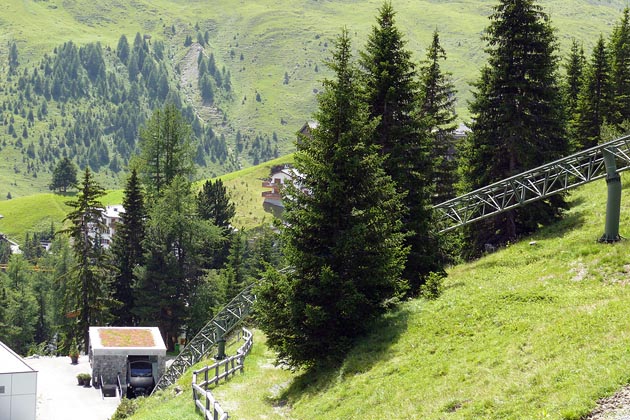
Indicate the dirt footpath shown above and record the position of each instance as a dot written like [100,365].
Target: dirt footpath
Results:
[60,398]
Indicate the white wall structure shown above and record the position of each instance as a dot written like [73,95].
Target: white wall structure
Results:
[109,360]
[18,387]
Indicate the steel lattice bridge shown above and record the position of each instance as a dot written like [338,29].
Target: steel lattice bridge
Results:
[211,335]
[536,184]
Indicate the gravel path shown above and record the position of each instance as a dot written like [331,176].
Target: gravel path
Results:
[60,398]
[616,407]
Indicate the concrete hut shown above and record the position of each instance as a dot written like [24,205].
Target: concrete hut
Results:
[113,349]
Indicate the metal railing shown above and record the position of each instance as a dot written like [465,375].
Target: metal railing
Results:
[532,185]
[119,387]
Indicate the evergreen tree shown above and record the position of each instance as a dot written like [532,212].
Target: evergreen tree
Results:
[392,94]
[166,150]
[127,249]
[13,58]
[64,175]
[214,203]
[517,116]
[438,108]
[173,242]
[595,99]
[87,290]
[620,69]
[342,234]
[573,82]
[122,50]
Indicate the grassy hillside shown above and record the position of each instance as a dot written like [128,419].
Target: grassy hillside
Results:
[258,43]
[529,332]
[35,213]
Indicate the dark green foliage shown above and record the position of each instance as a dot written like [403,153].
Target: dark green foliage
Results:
[64,175]
[206,89]
[122,50]
[620,69]
[438,109]
[174,240]
[20,307]
[87,289]
[571,89]
[517,117]
[392,93]
[125,409]
[166,150]
[214,204]
[13,58]
[5,250]
[127,249]
[595,99]
[342,234]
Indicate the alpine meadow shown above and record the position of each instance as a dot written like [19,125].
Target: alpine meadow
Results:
[341,210]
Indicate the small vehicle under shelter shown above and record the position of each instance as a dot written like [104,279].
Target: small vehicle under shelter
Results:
[126,360]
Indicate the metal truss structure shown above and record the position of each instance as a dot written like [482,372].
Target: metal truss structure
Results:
[209,336]
[535,184]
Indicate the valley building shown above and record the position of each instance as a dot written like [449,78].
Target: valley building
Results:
[18,387]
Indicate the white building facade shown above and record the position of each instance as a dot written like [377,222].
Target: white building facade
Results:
[18,387]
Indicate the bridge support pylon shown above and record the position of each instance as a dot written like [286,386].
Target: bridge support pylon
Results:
[613,203]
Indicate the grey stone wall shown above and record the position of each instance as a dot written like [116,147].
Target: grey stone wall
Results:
[109,367]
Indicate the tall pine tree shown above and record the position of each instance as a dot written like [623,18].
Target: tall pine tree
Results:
[438,108]
[127,249]
[87,291]
[214,204]
[517,116]
[392,93]
[574,67]
[595,99]
[620,69]
[342,235]
[166,150]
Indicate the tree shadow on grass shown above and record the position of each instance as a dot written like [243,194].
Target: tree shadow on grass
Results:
[373,348]
[569,222]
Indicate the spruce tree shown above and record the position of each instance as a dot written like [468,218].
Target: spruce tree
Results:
[620,69]
[517,116]
[64,175]
[214,204]
[166,151]
[392,93]
[595,100]
[438,108]
[342,235]
[87,289]
[127,249]
[573,82]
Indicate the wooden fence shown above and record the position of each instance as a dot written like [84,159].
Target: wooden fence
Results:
[222,370]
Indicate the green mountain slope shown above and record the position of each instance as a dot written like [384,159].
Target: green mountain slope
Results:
[35,213]
[532,331]
[273,51]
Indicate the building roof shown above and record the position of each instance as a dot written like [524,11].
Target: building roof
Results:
[10,362]
[114,211]
[127,340]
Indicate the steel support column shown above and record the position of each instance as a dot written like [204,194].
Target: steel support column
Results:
[613,203]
